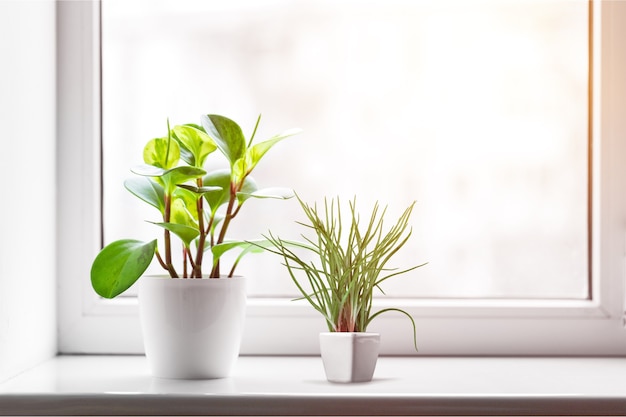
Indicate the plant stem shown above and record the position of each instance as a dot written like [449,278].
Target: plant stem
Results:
[185,251]
[160,259]
[346,321]
[166,237]
[197,269]
[189,258]
[232,270]
[208,229]
[215,272]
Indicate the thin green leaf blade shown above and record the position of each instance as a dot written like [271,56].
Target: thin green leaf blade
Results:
[119,265]
[399,310]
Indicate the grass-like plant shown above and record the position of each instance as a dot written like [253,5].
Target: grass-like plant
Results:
[194,205]
[350,262]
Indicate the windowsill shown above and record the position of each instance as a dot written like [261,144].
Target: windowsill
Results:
[121,385]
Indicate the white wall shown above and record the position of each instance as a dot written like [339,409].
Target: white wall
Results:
[27,184]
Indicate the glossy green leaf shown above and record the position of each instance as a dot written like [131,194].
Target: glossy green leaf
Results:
[251,246]
[249,188]
[220,180]
[240,169]
[161,152]
[199,190]
[196,141]
[174,176]
[256,152]
[279,193]
[195,126]
[184,208]
[186,233]
[227,135]
[146,170]
[147,190]
[119,265]
[179,175]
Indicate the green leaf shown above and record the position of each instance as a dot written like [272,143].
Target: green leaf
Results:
[240,168]
[256,152]
[199,190]
[119,265]
[196,141]
[161,152]
[351,255]
[182,174]
[222,248]
[147,190]
[226,134]
[148,170]
[195,126]
[175,176]
[186,233]
[249,187]
[220,180]
[172,177]
[373,316]
[184,208]
[252,246]
[279,193]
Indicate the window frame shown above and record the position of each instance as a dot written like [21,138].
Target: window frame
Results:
[88,324]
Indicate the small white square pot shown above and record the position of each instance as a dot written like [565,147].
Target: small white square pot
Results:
[349,357]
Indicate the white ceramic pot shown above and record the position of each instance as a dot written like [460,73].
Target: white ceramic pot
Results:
[349,357]
[192,327]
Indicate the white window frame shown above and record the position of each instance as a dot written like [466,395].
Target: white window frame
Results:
[88,324]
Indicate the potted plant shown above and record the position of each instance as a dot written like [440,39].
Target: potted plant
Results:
[191,317]
[349,264]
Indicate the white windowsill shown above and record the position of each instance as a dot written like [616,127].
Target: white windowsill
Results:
[121,385]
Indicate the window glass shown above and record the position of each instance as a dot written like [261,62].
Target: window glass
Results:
[478,110]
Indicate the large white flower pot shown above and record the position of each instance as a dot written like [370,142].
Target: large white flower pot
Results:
[192,327]
[349,357]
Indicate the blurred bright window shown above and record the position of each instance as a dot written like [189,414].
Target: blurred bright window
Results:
[476,109]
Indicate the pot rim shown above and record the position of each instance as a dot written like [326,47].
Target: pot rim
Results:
[204,278]
[349,334]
